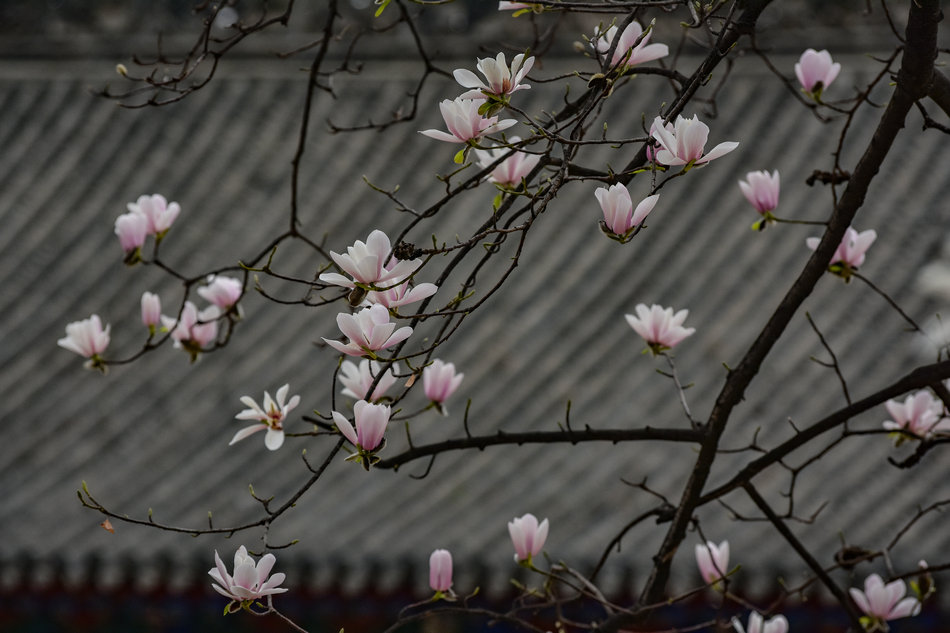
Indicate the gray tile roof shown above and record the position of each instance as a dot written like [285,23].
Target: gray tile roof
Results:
[154,434]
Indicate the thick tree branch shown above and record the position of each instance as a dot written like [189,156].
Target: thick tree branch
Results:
[805,555]
[917,379]
[544,437]
[914,78]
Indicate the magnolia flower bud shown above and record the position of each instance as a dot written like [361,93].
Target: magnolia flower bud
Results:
[713,561]
[440,570]
[131,228]
[151,311]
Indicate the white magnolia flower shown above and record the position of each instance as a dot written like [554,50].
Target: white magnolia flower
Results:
[757,624]
[270,417]
[659,326]
[501,81]
[366,264]
[882,602]
[222,291]
[369,330]
[626,52]
[357,379]
[251,581]
[683,143]
[465,124]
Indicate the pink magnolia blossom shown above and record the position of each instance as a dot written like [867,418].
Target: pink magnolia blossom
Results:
[158,213]
[193,330]
[402,294]
[87,338]
[222,291]
[501,81]
[366,264]
[440,381]
[627,52]
[850,253]
[815,71]
[528,536]
[757,624]
[131,229]
[683,143]
[505,5]
[358,379]
[713,561]
[270,417]
[659,327]
[882,602]
[510,172]
[465,124]
[761,190]
[369,330]
[620,218]
[371,421]
[251,581]
[440,571]
[920,413]
[151,310]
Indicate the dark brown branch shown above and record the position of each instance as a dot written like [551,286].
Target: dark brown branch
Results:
[805,555]
[917,379]
[914,78]
[542,437]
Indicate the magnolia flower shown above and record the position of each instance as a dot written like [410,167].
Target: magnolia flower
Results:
[271,417]
[815,71]
[440,381]
[757,624]
[510,172]
[371,421]
[920,414]
[713,561]
[366,264]
[501,81]
[440,571]
[250,581]
[882,602]
[193,330]
[850,252]
[151,310]
[158,213]
[626,53]
[131,229]
[222,291]
[528,536]
[358,379]
[620,218]
[87,338]
[683,143]
[659,327]
[369,330]
[465,124]
[401,295]
[761,191]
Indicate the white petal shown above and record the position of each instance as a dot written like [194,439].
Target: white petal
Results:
[274,439]
[246,431]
